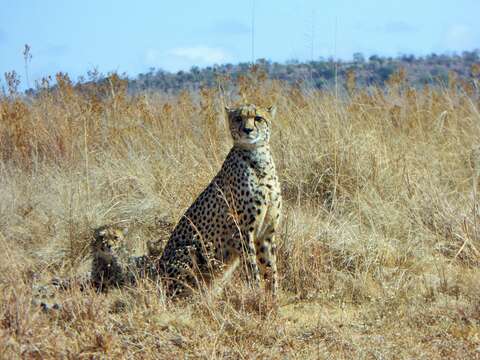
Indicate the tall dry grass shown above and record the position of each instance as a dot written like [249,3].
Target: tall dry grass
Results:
[378,251]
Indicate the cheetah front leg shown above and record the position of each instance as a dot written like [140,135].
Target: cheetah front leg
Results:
[251,258]
[266,253]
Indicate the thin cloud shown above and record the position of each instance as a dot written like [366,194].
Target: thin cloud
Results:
[399,27]
[182,58]
[458,37]
[230,27]
[200,54]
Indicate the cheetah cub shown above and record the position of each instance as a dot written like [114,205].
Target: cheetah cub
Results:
[235,217]
[111,265]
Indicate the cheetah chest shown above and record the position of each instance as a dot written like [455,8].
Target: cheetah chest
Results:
[257,198]
[268,214]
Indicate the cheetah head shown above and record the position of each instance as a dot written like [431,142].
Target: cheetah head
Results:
[250,125]
[107,241]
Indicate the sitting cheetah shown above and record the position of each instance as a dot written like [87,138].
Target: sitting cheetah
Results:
[235,217]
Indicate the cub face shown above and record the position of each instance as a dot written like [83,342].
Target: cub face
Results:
[107,241]
[250,125]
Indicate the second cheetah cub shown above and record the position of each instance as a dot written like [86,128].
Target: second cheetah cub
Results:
[109,266]
[236,216]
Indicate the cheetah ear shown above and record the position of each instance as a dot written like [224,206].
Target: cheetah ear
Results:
[272,110]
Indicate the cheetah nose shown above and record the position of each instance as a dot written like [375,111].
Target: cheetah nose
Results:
[247,130]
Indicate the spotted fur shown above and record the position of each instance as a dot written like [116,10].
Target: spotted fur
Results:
[235,217]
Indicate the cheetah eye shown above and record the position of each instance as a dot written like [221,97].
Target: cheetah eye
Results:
[258,118]
[238,118]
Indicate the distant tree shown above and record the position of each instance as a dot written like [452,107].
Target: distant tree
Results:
[358,58]
[408,58]
[292,62]
[263,62]
[471,56]
[431,59]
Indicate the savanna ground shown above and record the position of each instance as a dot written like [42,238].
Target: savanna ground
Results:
[379,250]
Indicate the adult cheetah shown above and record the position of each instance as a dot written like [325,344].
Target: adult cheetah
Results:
[235,217]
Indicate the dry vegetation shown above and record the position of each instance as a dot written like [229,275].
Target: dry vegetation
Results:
[379,249]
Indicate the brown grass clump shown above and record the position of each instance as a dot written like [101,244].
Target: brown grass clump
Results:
[379,250]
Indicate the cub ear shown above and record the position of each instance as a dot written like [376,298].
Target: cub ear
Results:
[124,230]
[228,110]
[272,110]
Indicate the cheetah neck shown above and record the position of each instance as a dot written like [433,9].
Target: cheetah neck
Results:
[103,260]
[258,157]
[114,264]
[108,260]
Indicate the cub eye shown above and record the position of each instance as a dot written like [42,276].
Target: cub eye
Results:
[238,118]
[258,118]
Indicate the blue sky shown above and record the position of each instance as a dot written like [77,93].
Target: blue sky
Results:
[132,36]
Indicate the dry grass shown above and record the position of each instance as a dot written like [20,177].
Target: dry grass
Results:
[379,248]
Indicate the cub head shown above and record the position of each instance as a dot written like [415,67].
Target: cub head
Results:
[107,241]
[250,125]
